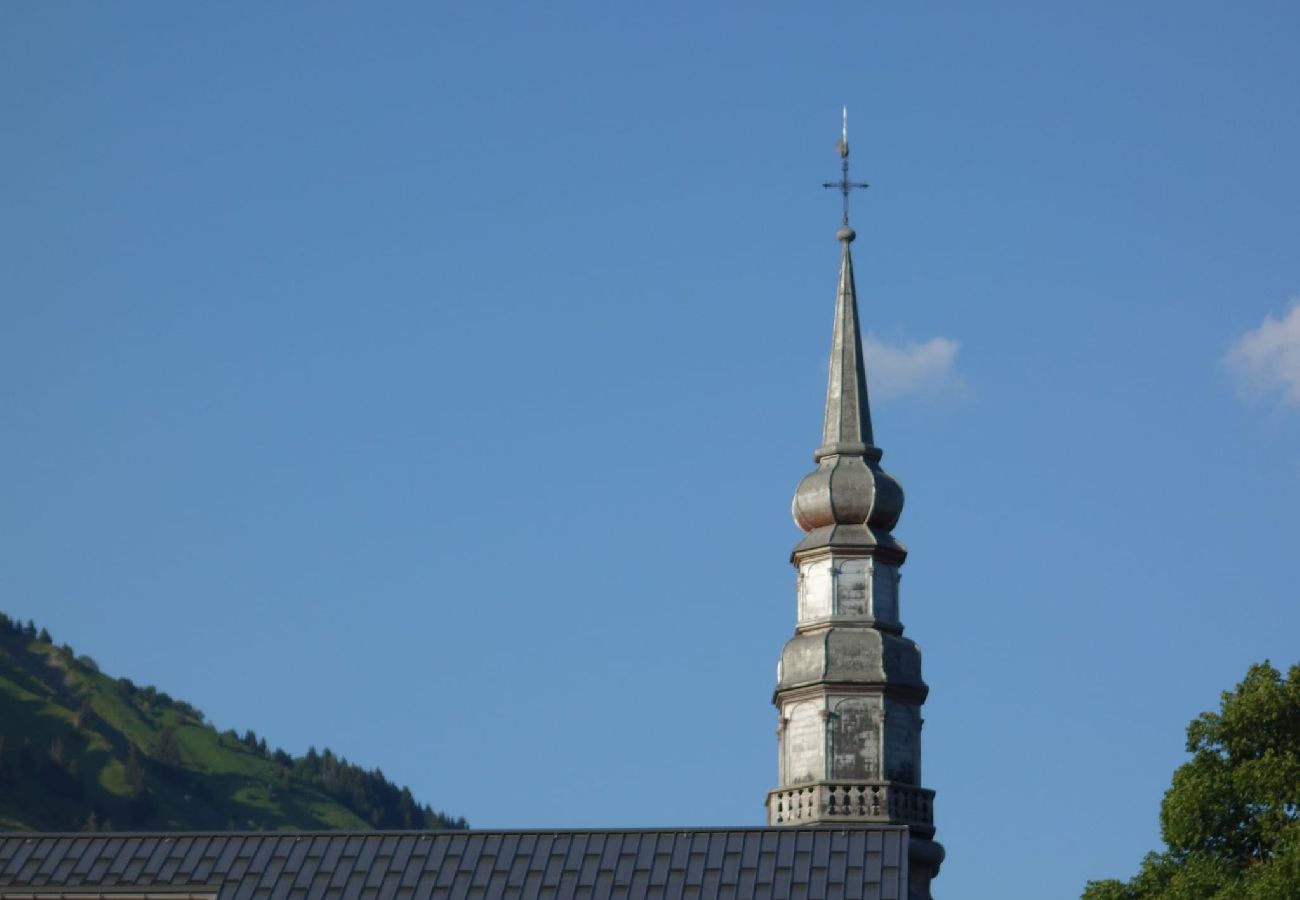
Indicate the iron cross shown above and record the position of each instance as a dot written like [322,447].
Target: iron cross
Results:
[844,184]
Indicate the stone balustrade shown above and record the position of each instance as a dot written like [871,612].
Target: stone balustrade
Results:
[827,802]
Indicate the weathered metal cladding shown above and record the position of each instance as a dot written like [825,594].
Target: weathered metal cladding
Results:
[850,655]
[848,489]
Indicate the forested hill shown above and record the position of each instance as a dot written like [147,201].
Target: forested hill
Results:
[80,750]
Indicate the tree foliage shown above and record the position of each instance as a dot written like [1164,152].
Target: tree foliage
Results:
[1231,818]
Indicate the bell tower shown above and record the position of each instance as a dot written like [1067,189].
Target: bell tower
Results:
[849,689]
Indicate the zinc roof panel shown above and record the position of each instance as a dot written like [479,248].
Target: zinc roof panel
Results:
[482,873]
[873,864]
[87,858]
[554,869]
[890,889]
[802,866]
[214,845]
[176,854]
[650,846]
[194,858]
[473,850]
[253,851]
[577,852]
[891,847]
[274,870]
[424,888]
[413,871]
[294,862]
[355,885]
[319,885]
[366,855]
[709,886]
[750,849]
[447,872]
[747,881]
[352,846]
[130,873]
[497,886]
[766,866]
[121,856]
[853,882]
[401,854]
[695,868]
[98,873]
[785,851]
[341,871]
[138,861]
[731,868]
[781,881]
[531,845]
[375,874]
[229,851]
[320,845]
[240,890]
[22,852]
[822,848]
[520,866]
[599,848]
[51,852]
[623,868]
[437,853]
[280,888]
[659,869]
[679,852]
[716,850]
[837,863]
[388,886]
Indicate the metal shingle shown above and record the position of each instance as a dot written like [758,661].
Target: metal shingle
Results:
[765,864]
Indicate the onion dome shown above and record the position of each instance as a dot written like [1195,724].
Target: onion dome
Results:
[848,489]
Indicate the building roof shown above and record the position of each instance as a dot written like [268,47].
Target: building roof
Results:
[776,863]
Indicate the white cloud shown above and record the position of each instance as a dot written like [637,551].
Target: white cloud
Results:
[929,368]
[1267,358]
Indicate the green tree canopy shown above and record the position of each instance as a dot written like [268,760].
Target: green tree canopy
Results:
[1231,818]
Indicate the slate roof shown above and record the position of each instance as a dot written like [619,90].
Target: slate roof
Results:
[730,864]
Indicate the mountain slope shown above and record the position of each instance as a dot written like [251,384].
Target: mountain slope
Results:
[81,750]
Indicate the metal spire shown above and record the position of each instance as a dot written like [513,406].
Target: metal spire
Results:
[844,184]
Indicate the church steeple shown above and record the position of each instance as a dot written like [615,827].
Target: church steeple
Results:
[848,414]
[849,688]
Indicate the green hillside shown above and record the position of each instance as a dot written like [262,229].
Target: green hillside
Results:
[80,750]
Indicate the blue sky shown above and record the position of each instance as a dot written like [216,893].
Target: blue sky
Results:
[430,382]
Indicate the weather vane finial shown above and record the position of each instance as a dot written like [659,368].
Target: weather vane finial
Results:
[844,184]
